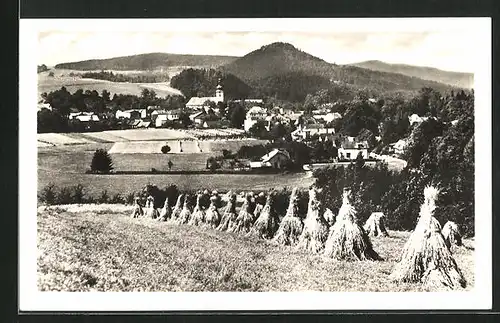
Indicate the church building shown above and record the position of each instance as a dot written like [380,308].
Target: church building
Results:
[199,103]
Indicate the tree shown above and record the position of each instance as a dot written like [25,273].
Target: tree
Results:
[101,162]
[185,120]
[238,115]
[165,149]
[258,130]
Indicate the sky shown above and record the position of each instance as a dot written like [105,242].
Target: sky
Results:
[447,49]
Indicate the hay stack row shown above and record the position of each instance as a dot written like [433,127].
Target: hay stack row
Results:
[426,257]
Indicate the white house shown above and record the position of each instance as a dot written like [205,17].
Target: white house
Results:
[197,103]
[131,114]
[277,158]
[163,116]
[253,115]
[308,130]
[328,117]
[399,146]
[350,148]
[415,118]
[84,116]
[254,101]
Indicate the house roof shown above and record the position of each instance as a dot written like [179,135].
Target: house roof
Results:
[197,114]
[256,110]
[267,157]
[200,101]
[347,144]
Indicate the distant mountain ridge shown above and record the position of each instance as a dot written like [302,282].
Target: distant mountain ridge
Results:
[282,59]
[459,79]
[148,62]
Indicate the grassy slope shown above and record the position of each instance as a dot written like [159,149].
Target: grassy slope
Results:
[98,249]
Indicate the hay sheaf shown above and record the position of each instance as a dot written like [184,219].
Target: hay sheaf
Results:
[151,211]
[426,258]
[329,216]
[267,223]
[451,235]
[315,230]
[291,225]
[137,211]
[198,215]
[375,225]
[212,216]
[229,215]
[243,223]
[347,239]
[177,208]
[165,212]
[185,214]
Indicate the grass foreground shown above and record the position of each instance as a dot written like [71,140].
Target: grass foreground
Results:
[101,248]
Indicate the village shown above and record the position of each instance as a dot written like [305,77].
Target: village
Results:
[202,119]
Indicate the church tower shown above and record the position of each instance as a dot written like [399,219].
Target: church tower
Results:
[219,93]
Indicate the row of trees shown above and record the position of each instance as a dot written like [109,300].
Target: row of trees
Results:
[131,78]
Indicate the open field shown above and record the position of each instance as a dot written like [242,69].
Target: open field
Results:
[95,248]
[66,166]
[61,78]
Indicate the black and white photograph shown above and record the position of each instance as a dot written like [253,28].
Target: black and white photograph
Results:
[323,159]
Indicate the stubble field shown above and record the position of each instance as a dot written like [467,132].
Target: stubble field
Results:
[95,248]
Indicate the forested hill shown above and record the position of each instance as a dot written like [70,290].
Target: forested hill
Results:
[459,79]
[147,62]
[282,58]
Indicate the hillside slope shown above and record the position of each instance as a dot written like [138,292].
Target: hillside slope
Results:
[282,58]
[148,62]
[465,80]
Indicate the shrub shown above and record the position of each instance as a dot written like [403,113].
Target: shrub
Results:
[48,194]
[129,198]
[104,197]
[101,162]
[165,149]
[78,194]
[117,199]
[64,196]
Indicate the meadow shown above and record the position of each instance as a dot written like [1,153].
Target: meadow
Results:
[73,83]
[66,165]
[95,248]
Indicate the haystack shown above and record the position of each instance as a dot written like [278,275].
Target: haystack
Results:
[347,239]
[245,219]
[177,208]
[291,225]
[426,258]
[137,211]
[267,223]
[315,230]
[212,216]
[151,211]
[329,216]
[260,200]
[198,216]
[451,234]
[375,225]
[165,211]
[185,214]
[229,215]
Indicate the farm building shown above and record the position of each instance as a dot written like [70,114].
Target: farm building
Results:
[253,115]
[131,114]
[350,149]
[399,146]
[198,103]
[84,116]
[254,101]
[415,119]
[277,158]
[327,117]
[304,132]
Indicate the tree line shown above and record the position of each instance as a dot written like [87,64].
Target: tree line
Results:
[131,78]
